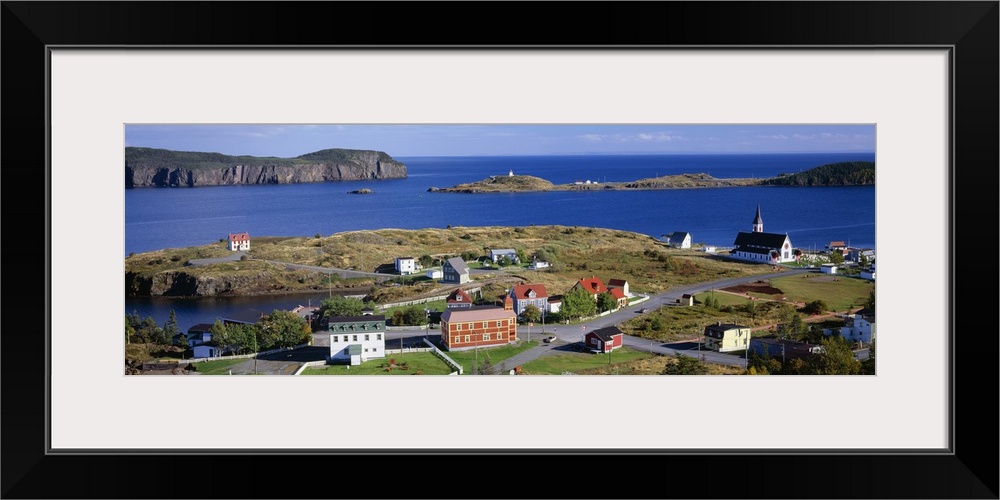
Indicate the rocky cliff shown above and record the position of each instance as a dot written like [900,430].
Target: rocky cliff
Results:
[147,167]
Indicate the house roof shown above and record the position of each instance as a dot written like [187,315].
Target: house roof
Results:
[678,236]
[837,244]
[762,251]
[459,295]
[239,236]
[793,349]
[724,327]
[521,291]
[686,296]
[616,282]
[502,251]
[766,240]
[606,333]
[476,314]
[356,319]
[458,265]
[617,293]
[404,258]
[592,284]
[200,327]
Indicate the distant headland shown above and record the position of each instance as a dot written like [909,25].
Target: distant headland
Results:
[834,174]
[149,167]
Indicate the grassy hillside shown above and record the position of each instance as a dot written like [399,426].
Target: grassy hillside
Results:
[574,252]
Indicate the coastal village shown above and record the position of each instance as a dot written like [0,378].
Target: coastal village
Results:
[477,313]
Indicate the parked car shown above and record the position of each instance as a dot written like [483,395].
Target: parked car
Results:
[644,310]
[549,340]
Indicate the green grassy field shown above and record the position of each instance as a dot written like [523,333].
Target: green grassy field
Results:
[496,355]
[417,363]
[838,292]
[220,367]
[576,362]
[725,299]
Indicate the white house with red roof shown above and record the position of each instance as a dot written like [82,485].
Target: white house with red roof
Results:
[479,326]
[617,283]
[239,241]
[533,294]
[619,296]
[593,285]
[459,299]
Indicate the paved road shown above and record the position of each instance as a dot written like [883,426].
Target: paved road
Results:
[568,335]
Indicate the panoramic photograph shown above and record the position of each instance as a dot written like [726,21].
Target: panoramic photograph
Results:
[488,249]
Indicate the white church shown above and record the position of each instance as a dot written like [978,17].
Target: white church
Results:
[758,246]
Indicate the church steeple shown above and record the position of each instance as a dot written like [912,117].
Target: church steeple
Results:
[758,223]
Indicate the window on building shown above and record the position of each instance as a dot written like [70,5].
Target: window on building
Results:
[366,337]
[484,325]
[468,338]
[458,327]
[335,339]
[486,336]
[498,324]
[378,336]
[355,338]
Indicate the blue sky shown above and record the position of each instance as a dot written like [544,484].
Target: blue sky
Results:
[489,140]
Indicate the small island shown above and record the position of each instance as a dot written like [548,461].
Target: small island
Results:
[834,174]
[361,191]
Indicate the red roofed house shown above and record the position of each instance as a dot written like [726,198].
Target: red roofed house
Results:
[619,295]
[480,326]
[533,294]
[459,299]
[604,339]
[837,245]
[239,241]
[616,283]
[593,285]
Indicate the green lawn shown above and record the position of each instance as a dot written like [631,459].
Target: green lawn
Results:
[496,355]
[725,299]
[574,362]
[220,367]
[423,363]
[839,295]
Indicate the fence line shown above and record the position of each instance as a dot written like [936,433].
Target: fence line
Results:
[307,364]
[246,356]
[437,352]
[383,307]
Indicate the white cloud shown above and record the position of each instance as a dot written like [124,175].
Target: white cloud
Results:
[780,137]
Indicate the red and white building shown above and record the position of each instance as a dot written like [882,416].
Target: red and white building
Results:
[239,241]
[619,296]
[604,340]
[593,285]
[459,299]
[617,283]
[463,329]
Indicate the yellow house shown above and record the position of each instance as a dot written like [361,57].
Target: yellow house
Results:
[725,337]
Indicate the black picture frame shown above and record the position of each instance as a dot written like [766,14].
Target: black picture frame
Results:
[970,29]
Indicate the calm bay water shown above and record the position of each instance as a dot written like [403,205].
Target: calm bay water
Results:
[157,218]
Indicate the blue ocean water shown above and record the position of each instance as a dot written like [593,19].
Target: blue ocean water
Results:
[181,217]
[157,218]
